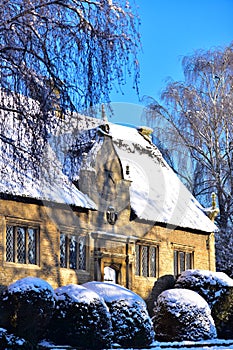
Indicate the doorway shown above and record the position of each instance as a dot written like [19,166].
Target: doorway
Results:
[110,275]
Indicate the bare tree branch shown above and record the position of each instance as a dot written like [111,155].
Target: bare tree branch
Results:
[66,55]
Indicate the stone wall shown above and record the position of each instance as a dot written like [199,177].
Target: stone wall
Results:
[50,222]
[115,245]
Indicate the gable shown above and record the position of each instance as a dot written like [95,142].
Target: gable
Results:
[93,164]
[156,192]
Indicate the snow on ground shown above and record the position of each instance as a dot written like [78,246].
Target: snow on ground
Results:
[217,344]
[190,345]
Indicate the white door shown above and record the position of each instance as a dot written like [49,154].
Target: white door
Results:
[109,275]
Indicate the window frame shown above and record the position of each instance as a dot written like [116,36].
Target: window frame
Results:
[66,264]
[25,226]
[177,253]
[143,264]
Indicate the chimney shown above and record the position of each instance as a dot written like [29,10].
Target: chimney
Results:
[145,131]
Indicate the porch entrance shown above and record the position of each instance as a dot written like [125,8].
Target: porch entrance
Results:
[110,275]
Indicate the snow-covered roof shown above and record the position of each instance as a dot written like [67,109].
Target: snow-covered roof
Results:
[51,185]
[156,192]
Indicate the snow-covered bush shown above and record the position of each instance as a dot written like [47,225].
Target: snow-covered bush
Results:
[217,289]
[132,326]
[181,314]
[163,283]
[26,308]
[222,313]
[210,285]
[81,319]
[10,341]
[224,250]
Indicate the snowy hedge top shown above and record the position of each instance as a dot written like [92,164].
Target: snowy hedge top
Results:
[30,284]
[113,292]
[76,293]
[210,277]
[185,297]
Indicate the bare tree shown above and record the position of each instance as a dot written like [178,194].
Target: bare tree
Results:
[196,120]
[66,54]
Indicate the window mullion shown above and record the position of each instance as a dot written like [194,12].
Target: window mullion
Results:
[15,230]
[148,261]
[26,245]
[67,247]
[140,259]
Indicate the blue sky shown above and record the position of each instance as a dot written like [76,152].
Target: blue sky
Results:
[170,30]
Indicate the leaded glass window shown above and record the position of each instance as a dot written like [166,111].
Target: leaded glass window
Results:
[10,243]
[137,251]
[152,261]
[188,261]
[82,253]
[63,254]
[146,260]
[183,260]
[21,244]
[73,251]
[32,246]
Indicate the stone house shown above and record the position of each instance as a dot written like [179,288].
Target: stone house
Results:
[107,207]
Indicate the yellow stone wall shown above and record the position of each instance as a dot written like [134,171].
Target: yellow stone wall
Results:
[108,245]
[50,223]
[112,240]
